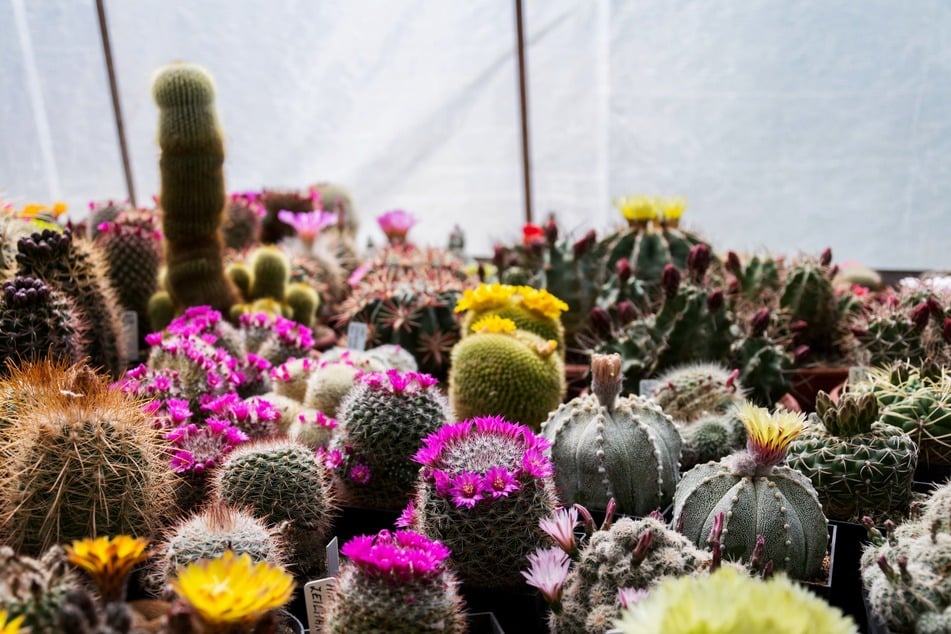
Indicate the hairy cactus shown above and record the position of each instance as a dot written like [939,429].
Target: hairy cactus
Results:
[37,322]
[72,267]
[688,392]
[753,495]
[499,370]
[484,486]
[858,465]
[283,482]
[192,190]
[35,589]
[381,423]
[395,582]
[605,447]
[83,461]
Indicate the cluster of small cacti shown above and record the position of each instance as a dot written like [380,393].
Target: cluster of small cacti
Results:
[264,282]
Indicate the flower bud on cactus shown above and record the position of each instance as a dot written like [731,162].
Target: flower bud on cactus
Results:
[605,447]
[395,582]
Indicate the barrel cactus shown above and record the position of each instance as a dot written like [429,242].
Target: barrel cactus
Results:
[605,447]
[534,310]
[859,465]
[757,497]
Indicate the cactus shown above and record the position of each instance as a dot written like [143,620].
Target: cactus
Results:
[335,198]
[395,582]
[535,311]
[312,428]
[73,268]
[82,614]
[764,365]
[161,311]
[37,322]
[282,481]
[710,437]
[102,212]
[755,279]
[330,381]
[275,201]
[35,589]
[686,393]
[192,190]
[270,272]
[605,447]
[382,421]
[858,465]
[242,223]
[499,370]
[759,497]
[484,486]
[303,300]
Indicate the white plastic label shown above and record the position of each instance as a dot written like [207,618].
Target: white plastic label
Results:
[130,336]
[357,335]
[317,596]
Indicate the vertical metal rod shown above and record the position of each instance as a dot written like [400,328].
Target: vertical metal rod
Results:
[116,105]
[523,109]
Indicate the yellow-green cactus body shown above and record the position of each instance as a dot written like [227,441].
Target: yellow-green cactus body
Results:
[525,319]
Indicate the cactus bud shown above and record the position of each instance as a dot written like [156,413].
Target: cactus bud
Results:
[626,313]
[582,246]
[606,378]
[609,514]
[825,259]
[587,520]
[935,306]
[623,270]
[551,230]
[643,547]
[733,263]
[698,260]
[670,280]
[733,287]
[600,322]
[715,301]
[760,322]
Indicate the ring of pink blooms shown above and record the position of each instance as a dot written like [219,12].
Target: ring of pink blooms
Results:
[398,557]
[395,381]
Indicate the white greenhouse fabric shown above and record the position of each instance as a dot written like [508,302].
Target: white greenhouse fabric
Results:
[787,124]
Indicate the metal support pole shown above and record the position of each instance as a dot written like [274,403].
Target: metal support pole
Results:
[523,109]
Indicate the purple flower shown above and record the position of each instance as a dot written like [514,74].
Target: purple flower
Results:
[396,224]
[408,517]
[561,527]
[199,448]
[499,482]
[360,473]
[466,489]
[548,571]
[308,223]
[332,458]
[536,464]
[400,557]
[442,482]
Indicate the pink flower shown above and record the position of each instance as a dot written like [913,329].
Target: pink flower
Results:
[358,274]
[307,223]
[499,482]
[199,448]
[628,597]
[442,481]
[467,488]
[561,527]
[332,458]
[548,571]
[536,464]
[400,557]
[396,224]
[360,473]
[408,517]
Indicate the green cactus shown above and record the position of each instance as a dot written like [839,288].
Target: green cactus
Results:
[710,437]
[37,322]
[858,465]
[605,447]
[755,278]
[35,589]
[329,382]
[303,301]
[382,421]
[83,461]
[192,190]
[73,268]
[241,276]
[395,582]
[532,310]
[764,365]
[499,370]
[282,482]
[688,392]
[161,311]
[270,272]
[925,415]
[758,497]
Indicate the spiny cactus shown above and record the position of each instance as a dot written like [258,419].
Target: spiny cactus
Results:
[536,311]
[381,422]
[764,364]
[499,370]
[37,322]
[858,465]
[395,582]
[192,190]
[84,461]
[710,437]
[760,497]
[605,447]
[685,393]
[242,223]
[331,379]
[104,211]
[35,589]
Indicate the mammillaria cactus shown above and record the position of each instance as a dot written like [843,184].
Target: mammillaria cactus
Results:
[687,392]
[500,370]
[37,322]
[329,382]
[193,190]
[381,423]
[605,447]
[275,338]
[83,461]
[241,228]
[532,310]
[710,437]
[858,465]
[484,486]
[395,582]
[754,495]
[35,589]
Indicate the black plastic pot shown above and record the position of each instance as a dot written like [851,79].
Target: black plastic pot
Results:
[522,610]
[824,589]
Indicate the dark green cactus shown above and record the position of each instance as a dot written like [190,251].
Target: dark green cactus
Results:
[764,364]
[270,273]
[37,322]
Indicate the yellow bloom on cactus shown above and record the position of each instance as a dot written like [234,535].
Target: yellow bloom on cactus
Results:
[32,210]
[638,208]
[769,435]
[10,626]
[494,324]
[485,296]
[672,208]
[108,560]
[542,302]
[232,589]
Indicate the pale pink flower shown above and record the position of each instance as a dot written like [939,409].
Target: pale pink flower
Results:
[548,571]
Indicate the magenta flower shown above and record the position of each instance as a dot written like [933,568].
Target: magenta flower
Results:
[396,224]
[408,517]
[332,458]
[561,528]
[548,571]
[442,481]
[401,557]
[307,224]
[499,481]
[196,449]
[319,419]
[396,382]
[536,464]
[360,473]
[466,489]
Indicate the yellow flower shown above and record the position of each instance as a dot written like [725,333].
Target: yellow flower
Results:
[10,627]
[769,435]
[672,208]
[108,560]
[638,208]
[542,302]
[232,589]
[494,324]
[485,296]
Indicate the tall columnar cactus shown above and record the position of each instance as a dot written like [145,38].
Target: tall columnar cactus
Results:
[37,322]
[72,267]
[685,393]
[193,189]
[532,310]
[858,465]
[484,486]
[283,482]
[35,589]
[757,497]
[381,423]
[395,582]
[499,370]
[605,447]
[83,461]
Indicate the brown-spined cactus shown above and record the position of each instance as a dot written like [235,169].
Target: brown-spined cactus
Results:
[608,447]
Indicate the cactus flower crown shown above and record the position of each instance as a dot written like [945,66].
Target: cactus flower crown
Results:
[769,435]
[490,296]
[399,557]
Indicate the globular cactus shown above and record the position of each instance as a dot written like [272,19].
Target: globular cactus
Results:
[37,322]
[35,589]
[484,486]
[312,428]
[532,310]
[395,582]
[192,188]
[241,228]
[329,382]
[270,273]
[710,437]
[104,211]
[283,482]
[381,423]
[688,392]
[499,370]
[275,338]
[604,447]
[858,465]
[84,461]
[74,268]
[753,495]
[290,378]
